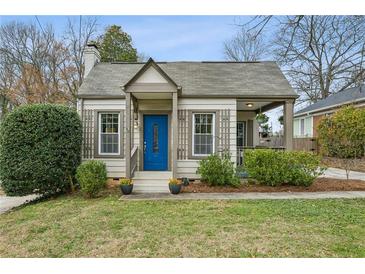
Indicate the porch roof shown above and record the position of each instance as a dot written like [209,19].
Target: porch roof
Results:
[197,79]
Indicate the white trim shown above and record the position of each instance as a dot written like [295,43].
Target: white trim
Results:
[99,134]
[193,132]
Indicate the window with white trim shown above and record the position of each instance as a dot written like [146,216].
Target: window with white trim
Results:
[109,133]
[302,127]
[203,134]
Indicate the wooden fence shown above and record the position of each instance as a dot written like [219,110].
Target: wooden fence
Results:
[299,144]
[305,144]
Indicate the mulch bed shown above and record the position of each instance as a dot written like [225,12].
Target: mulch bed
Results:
[358,165]
[320,184]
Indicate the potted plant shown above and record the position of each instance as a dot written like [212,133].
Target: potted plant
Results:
[185,181]
[262,118]
[175,186]
[126,186]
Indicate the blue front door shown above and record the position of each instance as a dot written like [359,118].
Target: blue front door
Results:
[155,142]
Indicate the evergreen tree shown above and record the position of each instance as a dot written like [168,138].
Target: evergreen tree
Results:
[116,45]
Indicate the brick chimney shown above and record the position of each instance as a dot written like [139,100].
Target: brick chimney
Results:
[91,57]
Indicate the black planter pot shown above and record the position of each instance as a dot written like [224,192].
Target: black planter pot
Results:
[175,189]
[126,189]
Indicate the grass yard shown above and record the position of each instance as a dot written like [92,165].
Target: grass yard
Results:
[71,226]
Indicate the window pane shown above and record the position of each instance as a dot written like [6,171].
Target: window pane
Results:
[209,128]
[115,139]
[209,139]
[210,118]
[209,149]
[204,149]
[197,139]
[203,128]
[109,129]
[155,138]
[115,148]
[203,134]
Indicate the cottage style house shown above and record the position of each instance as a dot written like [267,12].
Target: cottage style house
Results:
[155,120]
[306,120]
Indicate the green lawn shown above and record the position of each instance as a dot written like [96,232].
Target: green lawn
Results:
[71,226]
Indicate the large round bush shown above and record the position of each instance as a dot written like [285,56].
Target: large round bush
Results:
[92,177]
[342,134]
[40,149]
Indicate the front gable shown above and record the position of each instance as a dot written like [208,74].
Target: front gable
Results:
[151,75]
[150,78]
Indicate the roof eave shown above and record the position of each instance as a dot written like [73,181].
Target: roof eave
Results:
[314,111]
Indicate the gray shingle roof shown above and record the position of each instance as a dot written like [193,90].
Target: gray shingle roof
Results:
[195,78]
[345,96]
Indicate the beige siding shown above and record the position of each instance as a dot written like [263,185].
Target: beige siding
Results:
[115,166]
[104,104]
[187,168]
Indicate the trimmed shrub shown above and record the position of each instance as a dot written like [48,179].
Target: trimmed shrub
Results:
[40,149]
[342,135]
[92,177]
[274,168]
[218,171]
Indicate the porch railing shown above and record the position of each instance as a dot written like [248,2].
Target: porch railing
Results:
[134,157]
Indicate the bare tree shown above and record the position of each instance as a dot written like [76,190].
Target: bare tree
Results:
[27,68]
[245,46]
[322,55]
[77,35]
[37,67]
[142,57]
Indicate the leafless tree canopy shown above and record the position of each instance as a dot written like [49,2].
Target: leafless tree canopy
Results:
[320,55]
[245,46]
[37,67]
[77,35]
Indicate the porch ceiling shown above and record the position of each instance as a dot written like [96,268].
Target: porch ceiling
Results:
[256,105]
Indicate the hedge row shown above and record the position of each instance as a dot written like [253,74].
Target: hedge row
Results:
[275,168]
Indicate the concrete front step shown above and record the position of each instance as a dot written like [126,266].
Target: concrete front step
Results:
[152,175]
[150,189]
[151,181]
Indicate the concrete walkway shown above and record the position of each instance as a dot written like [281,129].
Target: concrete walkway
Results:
[338,173]
[7,203]
[246,196]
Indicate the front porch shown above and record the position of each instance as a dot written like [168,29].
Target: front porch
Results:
[235,130]
[248,136]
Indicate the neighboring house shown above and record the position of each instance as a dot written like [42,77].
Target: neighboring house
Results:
[306,120]
[140,118]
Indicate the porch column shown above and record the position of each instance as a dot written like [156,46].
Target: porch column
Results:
[128,135]
[288,124]
[174,134]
